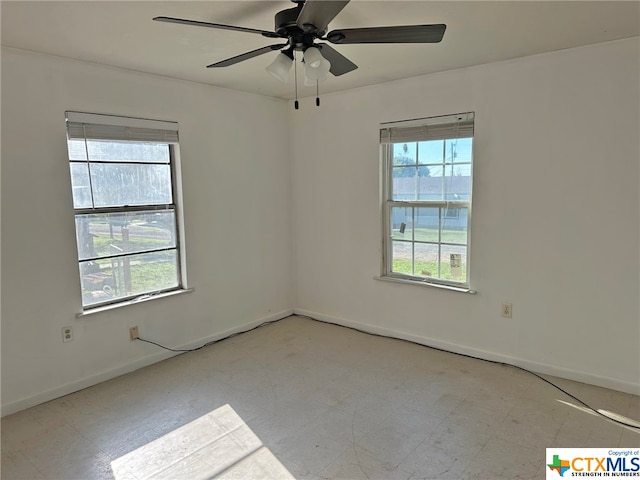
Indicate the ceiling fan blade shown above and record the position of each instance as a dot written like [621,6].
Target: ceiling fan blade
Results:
[220,26]
[400,34]
[339,63]
[246,56]
[318,14]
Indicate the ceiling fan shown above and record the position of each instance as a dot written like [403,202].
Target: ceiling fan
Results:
[307,22]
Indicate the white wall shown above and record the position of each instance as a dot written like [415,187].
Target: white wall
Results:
[235,169]
[555,226]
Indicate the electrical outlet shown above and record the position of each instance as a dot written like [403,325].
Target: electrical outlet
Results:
[67,334]
[507,310]
[133,333]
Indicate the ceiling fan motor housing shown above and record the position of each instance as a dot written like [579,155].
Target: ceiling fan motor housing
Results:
[286,25]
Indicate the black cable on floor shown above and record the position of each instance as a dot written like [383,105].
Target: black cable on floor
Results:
[212,342]
[496,362]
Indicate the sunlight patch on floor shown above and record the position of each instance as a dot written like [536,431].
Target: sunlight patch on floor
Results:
[606,413]
[217,445]
[621,418]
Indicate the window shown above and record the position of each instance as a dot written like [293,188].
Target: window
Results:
[123,175]
[427,173]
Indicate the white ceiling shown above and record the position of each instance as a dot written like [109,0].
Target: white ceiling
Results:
[122,34]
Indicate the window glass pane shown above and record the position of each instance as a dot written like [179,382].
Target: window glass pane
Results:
[117,184]
[457,182]
[401,223]
[77,149]
[109,279]
[428,203]
[402,261]
[404,183]
[456,170]
[112,151]
[454,263]
[426,260]
[454,225]
[80,185]
[430,188]
[404,153]
[101,235]
[431,151]
[436,170]
[426,224]
[458,150]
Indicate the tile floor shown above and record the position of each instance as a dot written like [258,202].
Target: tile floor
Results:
[322,402]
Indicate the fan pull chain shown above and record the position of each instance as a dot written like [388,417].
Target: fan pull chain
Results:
[295,75]
[317,93]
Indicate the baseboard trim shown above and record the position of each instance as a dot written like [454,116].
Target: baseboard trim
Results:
[543,368]
[123,369]
[570,374]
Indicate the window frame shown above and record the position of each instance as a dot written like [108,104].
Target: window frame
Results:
[171,140]
[443,206]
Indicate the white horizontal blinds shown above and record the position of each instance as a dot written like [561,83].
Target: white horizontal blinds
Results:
[109,127]
[434,128]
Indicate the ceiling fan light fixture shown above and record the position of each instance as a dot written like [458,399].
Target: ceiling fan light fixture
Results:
[280,67]
[312,57]
[308,82]
[317,74]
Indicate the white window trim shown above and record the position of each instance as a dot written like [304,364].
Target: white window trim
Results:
[422,283]
[132,301]
[387,131]
[112,127]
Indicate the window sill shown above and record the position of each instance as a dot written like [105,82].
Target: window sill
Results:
[422,283]
[133,301]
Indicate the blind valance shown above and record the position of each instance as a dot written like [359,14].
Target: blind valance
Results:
[109,127]
[434,128]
